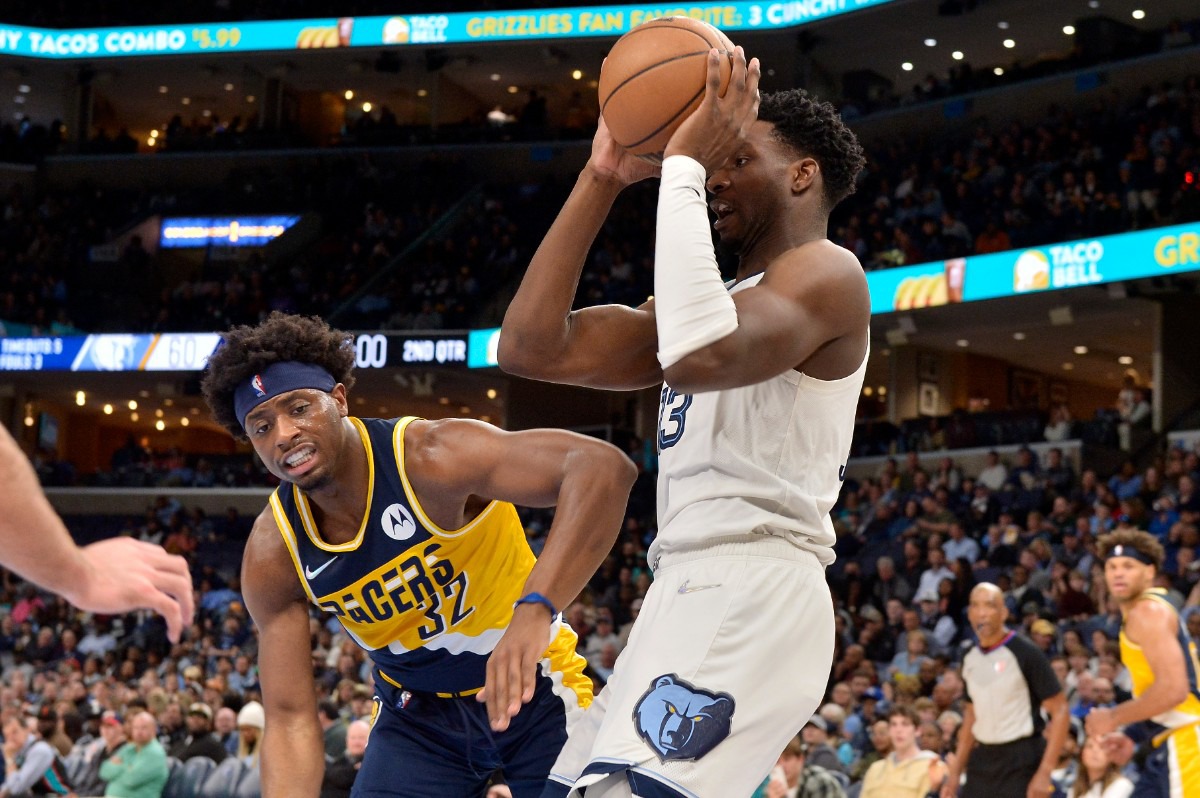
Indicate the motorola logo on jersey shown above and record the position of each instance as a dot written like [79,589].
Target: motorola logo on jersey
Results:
[398,522]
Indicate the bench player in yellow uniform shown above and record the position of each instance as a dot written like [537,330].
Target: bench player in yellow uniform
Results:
[1161,657]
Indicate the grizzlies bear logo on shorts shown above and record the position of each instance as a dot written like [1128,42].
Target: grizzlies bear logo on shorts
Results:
[681,721]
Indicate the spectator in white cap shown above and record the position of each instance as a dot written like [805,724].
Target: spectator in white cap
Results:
[250,722]
[940,627]
[820,753]
[835,718]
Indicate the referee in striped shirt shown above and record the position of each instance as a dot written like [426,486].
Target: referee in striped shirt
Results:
[1009,682]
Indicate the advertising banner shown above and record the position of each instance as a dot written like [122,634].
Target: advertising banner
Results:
[410,29]
[1068,264]
[226,231]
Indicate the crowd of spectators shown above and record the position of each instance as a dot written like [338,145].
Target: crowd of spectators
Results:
[911,543]
[136,465]
[1115,167]
[353,274]
[46,279]
[962,78]
[1002,186]
[476,242]
[27,141]
[466,264]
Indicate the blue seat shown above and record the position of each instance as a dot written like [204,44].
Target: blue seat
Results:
[174,778]
[251,784]
[190,777]
[75,764]
[223,781]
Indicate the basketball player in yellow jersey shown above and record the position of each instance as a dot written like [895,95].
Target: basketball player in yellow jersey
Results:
[1165,709]
[403,530]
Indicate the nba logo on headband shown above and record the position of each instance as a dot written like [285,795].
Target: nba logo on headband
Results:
[285,376]
[1118,550]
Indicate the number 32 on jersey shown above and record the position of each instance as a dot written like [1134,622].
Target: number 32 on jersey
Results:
[672,415]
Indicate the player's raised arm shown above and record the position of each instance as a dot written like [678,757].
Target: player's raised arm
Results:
[293,754]
[772,200]
[585,479]
[610,346]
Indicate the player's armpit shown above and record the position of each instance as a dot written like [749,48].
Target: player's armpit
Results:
[812,304]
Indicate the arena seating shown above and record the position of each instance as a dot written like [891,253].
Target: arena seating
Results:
[390,259]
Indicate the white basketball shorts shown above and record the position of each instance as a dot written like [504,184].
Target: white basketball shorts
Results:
[728,659]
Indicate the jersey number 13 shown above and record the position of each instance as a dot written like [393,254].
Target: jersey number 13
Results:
[672,415]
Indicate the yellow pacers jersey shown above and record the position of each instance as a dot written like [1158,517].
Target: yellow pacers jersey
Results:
[428,604]
[1185,713]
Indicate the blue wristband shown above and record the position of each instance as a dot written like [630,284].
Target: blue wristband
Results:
[537,598]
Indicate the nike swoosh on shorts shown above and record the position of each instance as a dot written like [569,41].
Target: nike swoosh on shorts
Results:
[684,588]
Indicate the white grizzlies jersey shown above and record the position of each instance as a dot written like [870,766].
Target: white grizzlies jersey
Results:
[767,458]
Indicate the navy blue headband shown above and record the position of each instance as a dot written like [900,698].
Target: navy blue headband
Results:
[276,379]
[1120,550]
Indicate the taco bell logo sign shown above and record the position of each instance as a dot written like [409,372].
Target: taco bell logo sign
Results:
[1076,264]
[1063,266]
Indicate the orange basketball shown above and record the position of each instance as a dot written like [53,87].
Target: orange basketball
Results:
[654,78]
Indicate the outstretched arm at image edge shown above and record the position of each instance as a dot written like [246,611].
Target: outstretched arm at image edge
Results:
[112,576]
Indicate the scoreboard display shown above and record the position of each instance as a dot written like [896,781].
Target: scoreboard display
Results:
[190,351]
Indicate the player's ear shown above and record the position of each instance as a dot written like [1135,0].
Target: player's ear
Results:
[339,396]
[802,173]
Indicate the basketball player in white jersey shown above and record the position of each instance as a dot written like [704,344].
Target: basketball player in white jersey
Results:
[760,380]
